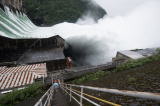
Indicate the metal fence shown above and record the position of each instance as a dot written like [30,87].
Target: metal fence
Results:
[46,98]
[83,68]
[69,90]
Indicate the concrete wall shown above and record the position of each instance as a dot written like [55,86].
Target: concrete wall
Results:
[17,4]
[60,42]
[120,58]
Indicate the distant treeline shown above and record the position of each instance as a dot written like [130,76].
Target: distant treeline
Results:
[50,12]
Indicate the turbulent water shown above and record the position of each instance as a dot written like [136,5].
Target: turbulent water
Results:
[130,24]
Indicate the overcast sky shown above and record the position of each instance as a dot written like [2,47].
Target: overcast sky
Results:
[120,7]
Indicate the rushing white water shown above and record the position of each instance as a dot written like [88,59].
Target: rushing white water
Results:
[137,27]
[15,25]
[130,24]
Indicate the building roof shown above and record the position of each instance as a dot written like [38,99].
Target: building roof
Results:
[146,51]
[21,75]
[43,55]
[131,54]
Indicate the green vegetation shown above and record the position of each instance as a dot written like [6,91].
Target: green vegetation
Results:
[17,96]
[124,66]
[131,79]
[57,11]
[136,49]
[89,77]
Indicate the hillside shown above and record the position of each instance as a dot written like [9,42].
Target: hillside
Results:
[50,12]
[145,78]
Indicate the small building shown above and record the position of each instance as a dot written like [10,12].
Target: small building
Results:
[125,55]
[33,51]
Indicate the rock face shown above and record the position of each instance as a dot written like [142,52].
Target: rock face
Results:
[50,12]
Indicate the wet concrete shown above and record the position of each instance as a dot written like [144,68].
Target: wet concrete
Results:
[60,99]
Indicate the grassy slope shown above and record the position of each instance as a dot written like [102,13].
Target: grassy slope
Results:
[147,79]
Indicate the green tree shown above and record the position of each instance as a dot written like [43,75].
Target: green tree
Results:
[57,11]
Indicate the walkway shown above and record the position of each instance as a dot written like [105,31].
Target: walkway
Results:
[59,99]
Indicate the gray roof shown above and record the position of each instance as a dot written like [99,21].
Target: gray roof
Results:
[146,51]
[131,54]
[43,55]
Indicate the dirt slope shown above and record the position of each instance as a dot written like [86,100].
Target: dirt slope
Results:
[145,79]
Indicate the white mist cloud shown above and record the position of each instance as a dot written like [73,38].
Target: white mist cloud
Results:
[135,27]
[134,24]
[86,19]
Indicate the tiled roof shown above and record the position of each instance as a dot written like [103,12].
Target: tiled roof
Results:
[21,75]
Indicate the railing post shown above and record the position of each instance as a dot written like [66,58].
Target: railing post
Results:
[66,90]
[62,79]
[43,79]
[52,92]
[41,104]
[62,86]
[52,79]
[81,97]
[53,88]
[56,75]
[70,93]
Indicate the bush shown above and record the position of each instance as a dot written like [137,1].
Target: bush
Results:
[17,96]
[89,77]
[131,79]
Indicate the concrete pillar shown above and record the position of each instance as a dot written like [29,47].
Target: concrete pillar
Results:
[6,2]
[14,3]
[20,3]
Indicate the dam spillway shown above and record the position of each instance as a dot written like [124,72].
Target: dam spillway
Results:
[16,25]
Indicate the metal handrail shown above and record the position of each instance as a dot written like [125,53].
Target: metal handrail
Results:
[151,96]
[80,95]
[65,88]
[49,95]
[98,98]
[146,95]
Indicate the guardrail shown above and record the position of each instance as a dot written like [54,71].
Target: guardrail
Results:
[47,97]
[83,68]
[68,89]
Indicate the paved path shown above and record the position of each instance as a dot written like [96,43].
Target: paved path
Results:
[59,99]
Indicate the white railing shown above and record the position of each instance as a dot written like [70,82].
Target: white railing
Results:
[47,97]
[67,88]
